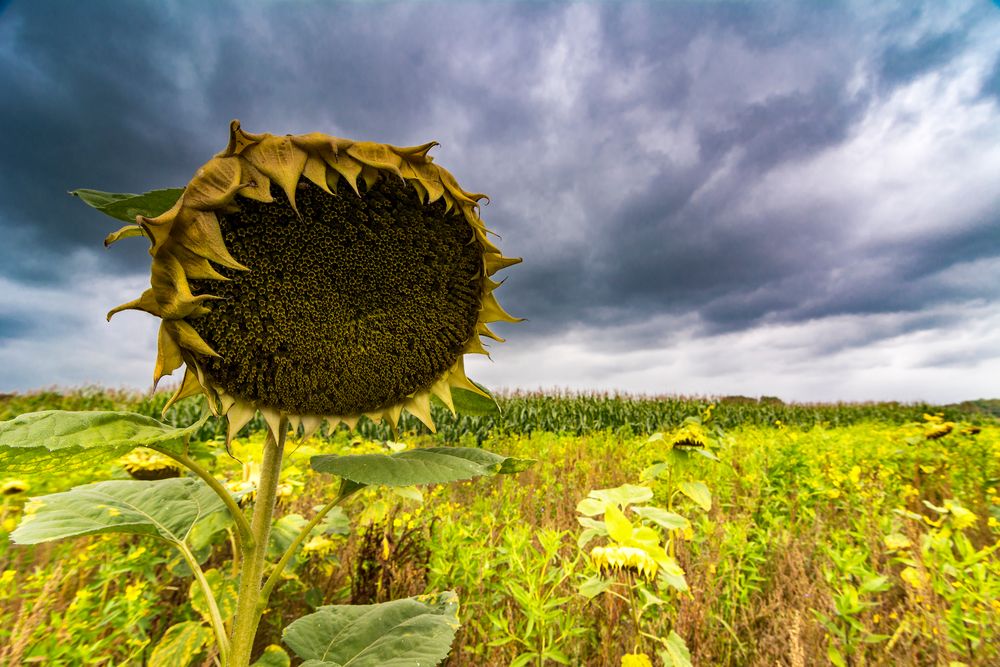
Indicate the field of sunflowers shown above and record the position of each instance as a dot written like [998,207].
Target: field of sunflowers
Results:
[797,535]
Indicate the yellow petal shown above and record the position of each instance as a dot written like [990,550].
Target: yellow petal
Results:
[426,174]
[125,232]
[195,266]
[442,390]
[171,290]
[420,189]
[492,312]
[315,170]
[348,168]
[256,185]
[168,355]
[415,153]
[310,424]
[239,140]
[370,175]
[146,303]
[475,346]
[215,184]
[189,387]
[280,160]
[483,330]
[199,232]
[275,423]
[419,405]
[379,156]
[495,262]
[458,378]
[188,338]
[238,416]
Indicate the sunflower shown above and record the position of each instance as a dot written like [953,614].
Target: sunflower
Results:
[146,464]
[316,278]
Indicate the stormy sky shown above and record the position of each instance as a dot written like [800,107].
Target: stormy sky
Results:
[790,199]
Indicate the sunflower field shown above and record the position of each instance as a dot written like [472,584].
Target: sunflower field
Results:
[781,535]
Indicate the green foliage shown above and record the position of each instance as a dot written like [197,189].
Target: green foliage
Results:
[125,206]
[180,645]
[58,440]
[800,514]
[167,509]
[536,572]
[437,465]
[400,633]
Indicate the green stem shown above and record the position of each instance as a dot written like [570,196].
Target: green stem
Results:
[636,614]
[275,575]
[242,525]
[249,605]
[215,616]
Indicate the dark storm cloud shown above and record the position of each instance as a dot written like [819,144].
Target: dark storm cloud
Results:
[632,150]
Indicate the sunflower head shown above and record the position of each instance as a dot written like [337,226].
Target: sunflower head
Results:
[146,464]
[312,277]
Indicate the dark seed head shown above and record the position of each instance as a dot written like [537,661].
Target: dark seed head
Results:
[347,309]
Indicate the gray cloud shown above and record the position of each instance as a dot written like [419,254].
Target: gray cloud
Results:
[721,167]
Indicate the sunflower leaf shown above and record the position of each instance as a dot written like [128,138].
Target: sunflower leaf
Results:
[126,206]
[435,465]
[224,591]
[401,633]
[180,644]
[60,439]
[167,508]
[470,403]
[274,656]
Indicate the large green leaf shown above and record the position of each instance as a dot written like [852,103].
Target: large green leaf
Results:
[622,496]
[676,653]
[698,492]
[663,518]
[61,440]
[401,633]
[274,656]
[180,644]
[125,206]
[166,508]
[435,465]
[223,590]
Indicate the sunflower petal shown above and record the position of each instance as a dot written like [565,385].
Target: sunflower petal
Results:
[168,355]
[188,338]
[315,170]
[200,233]
[146,303]
[492,312]
[280,160]
[379,156]
[215,184]
[348,168]
[419,405]
[442,390]
[238,415]
[189,387]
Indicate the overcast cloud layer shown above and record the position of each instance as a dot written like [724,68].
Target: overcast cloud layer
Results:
[799,200]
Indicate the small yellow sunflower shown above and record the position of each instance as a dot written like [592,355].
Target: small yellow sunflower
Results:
[311,277]
[615,558]
[636,660]
[146,464]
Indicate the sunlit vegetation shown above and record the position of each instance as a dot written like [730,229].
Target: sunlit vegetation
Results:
[831,534]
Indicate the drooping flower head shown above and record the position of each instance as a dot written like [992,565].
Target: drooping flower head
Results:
[312,277]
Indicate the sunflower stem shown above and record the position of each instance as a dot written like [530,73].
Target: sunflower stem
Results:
[249,605]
